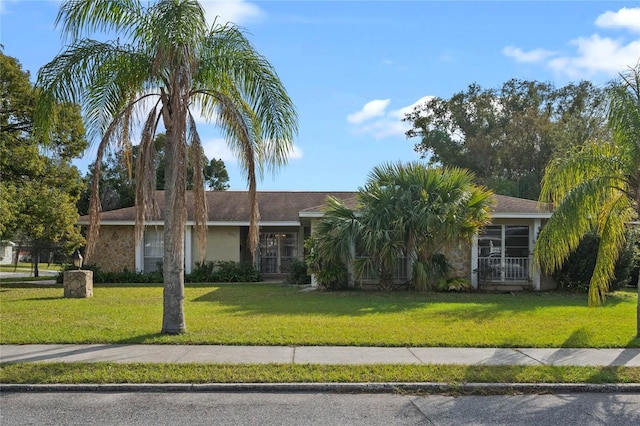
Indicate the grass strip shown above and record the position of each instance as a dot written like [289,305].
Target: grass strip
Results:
[146,373]
[275,315]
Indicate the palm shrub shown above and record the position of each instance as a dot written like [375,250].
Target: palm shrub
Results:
[404,210]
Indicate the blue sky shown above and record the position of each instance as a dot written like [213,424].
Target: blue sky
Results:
[353,68]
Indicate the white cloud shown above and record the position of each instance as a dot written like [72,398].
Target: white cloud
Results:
[592,55]
[236,11]
[371,109]
[624,18]
[295,153]
[597,54]
[381,124]
[400,113]
[219,149]
[535,55]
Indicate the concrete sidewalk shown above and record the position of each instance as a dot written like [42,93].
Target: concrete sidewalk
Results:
[318,355]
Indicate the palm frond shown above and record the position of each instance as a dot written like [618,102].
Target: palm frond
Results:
[80,17]
[593,160]
[612,229]
[103,77]
[226,49]
[93,231]
[196,154]
[145,201]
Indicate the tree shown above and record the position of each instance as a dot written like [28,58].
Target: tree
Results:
[506,136]
[38,184]
[170,64]
[216,175]
[405,210]
[596,188]
[214,171]
[117,177]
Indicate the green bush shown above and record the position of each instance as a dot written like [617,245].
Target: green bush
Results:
[298,273]
[223,272]
[330,274]
[124,276]
[576,272]
[454,284]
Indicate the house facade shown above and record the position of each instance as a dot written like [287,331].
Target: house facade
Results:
[499,257]
[6,252]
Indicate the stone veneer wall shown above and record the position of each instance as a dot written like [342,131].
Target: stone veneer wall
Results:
[459,256]
[116,249]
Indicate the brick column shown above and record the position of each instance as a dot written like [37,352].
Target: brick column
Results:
[78,284]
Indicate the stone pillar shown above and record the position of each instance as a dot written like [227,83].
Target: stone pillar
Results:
[78,284]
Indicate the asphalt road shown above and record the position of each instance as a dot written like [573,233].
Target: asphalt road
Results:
[186,409]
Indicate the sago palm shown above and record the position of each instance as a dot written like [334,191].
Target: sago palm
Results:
[596,188]
[167,65]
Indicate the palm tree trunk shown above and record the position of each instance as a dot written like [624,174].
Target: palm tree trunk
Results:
[173,321]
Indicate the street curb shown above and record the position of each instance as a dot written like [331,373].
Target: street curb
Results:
[394,387]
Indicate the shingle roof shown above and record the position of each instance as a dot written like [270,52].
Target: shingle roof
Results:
[233,206]
[286,206]
[506,204]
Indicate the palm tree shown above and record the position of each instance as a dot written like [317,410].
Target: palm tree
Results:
[406,210]
[596,188]
[169,64]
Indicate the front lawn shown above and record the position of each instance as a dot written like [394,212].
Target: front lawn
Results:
[271,314]
[28,267]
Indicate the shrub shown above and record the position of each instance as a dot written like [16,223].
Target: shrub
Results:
[124,276]
[330,274]
[453,284]
[298,273]
[223,271]
[576,272]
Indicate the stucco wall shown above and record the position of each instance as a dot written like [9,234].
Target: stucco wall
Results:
[115,249]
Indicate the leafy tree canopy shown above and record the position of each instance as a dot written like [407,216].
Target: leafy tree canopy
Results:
[38,184]
[117,177]
[506,136]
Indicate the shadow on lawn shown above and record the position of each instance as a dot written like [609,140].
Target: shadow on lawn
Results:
[462,306]
[142,339]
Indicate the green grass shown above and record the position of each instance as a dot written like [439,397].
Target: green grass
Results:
[51,373]
[270,314]
[28,267]
[28,279]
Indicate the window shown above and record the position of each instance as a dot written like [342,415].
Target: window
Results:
[277,251]
[153,249]
[503,253]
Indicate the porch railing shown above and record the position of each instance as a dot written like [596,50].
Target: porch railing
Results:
[401,273]
[503,269]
